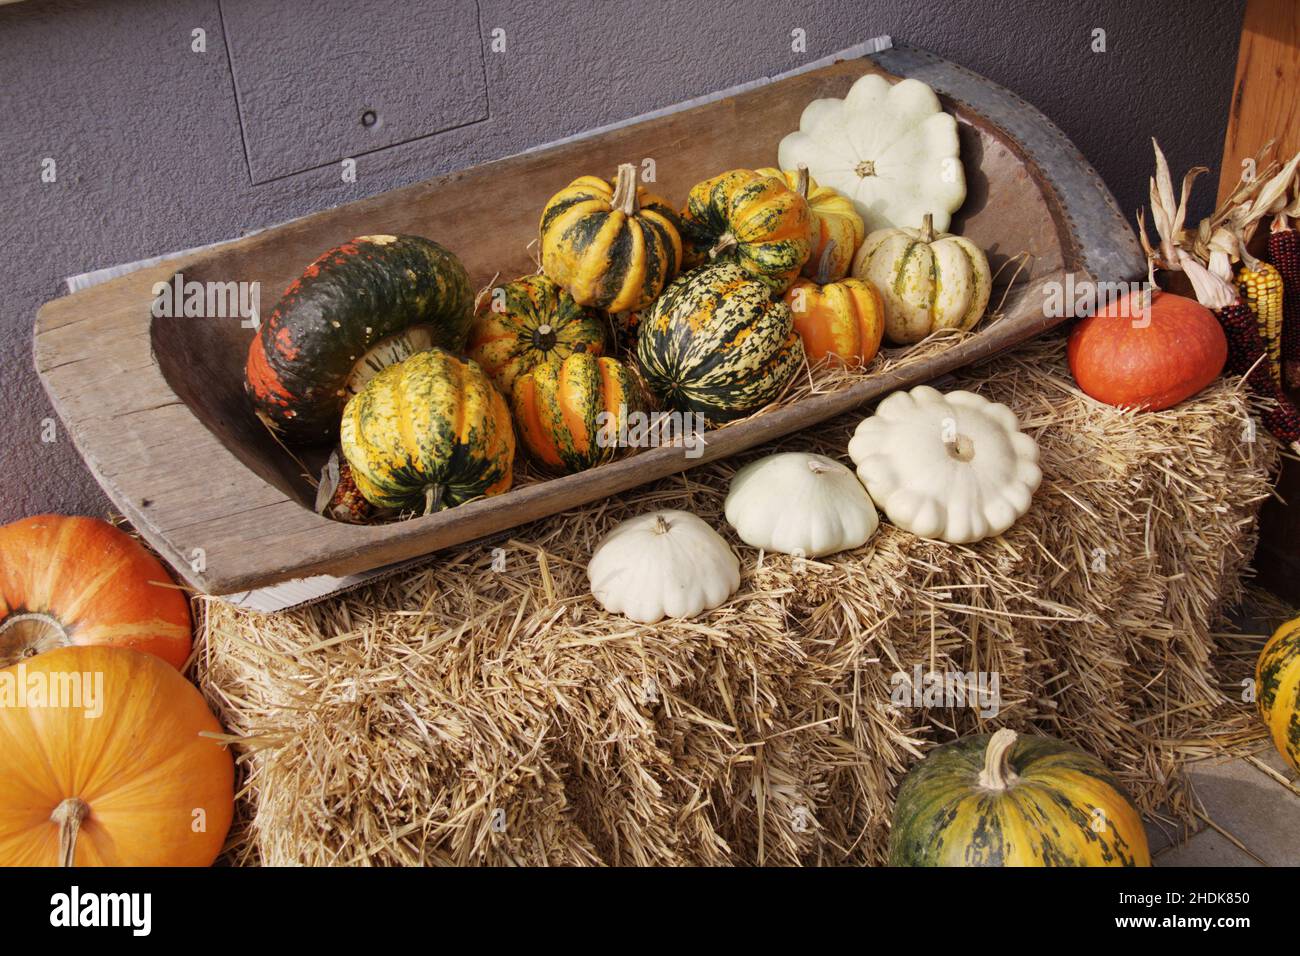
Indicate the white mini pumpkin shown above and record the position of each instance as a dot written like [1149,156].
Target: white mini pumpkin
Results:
[662,564]
[800,503]
[889,148]
[950,466]
[927,280]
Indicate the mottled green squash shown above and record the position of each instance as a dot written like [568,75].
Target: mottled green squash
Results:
[570,413]
[428,433]
[1008,800]
[755,221]
[521,324]
[1277,684]
[361,306]
[716,343]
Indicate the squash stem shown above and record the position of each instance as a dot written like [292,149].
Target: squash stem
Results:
[661,526]
[68,815]
[625,190]
[997,773]
[960,447]
[801,186]
[433,495]
[927,228]
[30,633]
[823,264]
[722,245]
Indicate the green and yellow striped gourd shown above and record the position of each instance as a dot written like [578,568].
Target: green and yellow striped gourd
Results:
[1008,800]
[524,323]
[428,433]
[1277,685]
[755,221]
[612,245]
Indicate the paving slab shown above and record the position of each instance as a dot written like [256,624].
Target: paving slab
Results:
[1207,848]
[1255,808]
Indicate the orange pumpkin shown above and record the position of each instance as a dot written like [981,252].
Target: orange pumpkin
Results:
[1147,358]
[82,581]
[845,319]
[105,765]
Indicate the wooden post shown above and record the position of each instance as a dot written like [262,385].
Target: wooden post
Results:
[1266,92]
[1266,106]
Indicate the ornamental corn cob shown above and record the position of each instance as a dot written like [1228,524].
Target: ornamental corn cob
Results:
[1284,254]
[1245,350]
[1262,290]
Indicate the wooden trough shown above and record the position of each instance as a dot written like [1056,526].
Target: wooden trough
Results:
[156,407]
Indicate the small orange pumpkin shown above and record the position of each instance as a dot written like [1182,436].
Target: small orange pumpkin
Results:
[845,319]
[82,581]
[105,764]
[1147,353]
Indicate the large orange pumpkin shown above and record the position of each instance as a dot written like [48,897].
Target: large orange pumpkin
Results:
[1149,359]
[82,581]
[104,764]
[845,319]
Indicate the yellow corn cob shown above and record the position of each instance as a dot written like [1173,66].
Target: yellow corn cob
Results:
[1262,289]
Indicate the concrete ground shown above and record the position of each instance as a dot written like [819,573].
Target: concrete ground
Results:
[1253,804]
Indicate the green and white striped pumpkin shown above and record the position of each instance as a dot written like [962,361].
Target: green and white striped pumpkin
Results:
[716,343]
[928,280]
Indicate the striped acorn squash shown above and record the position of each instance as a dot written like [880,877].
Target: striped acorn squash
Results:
[529,321]
[359,307]
[570,413]
[837,229]
[755,221]
[428,433]
[1009,800]
[1277,683]
[715,343]
[612,245]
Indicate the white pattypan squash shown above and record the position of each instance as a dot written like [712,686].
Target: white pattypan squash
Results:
[927,280]
[662,564]
[890,148]
[801,504]
[950,466]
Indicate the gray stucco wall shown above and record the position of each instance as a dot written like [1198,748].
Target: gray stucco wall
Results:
[153,155]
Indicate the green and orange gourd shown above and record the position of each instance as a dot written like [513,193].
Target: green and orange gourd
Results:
[364,305]
[570,413]
[521,324]
[1277,688]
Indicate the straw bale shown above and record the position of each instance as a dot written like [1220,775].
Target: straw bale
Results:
[464,714]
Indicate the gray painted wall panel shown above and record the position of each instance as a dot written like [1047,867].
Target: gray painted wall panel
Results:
[150,151]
